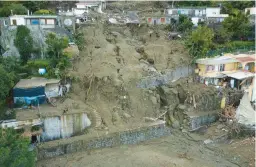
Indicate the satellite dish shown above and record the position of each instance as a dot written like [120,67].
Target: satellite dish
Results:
[68,22]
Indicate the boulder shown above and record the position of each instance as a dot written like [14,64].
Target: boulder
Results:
[176,124]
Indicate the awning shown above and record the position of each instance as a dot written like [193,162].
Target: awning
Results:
[240,75]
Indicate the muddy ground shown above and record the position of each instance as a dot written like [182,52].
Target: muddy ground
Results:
[177,150]
[106,74]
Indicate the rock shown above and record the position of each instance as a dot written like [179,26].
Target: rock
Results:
[176,124]
[182,107]
[172,107]
[126,115]
[208,141]
[151,61]
[150,91]
[220,126]
[184,131]
[158,98]
[185,121]
[139,50]
[105,79]
[153,100]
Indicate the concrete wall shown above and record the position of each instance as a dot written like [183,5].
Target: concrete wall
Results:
[212,11]
[20,20]
[114,139]
[64,126]
[228,67]
[251,10]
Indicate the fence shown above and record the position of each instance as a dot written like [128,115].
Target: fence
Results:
[162,79]
[213,53]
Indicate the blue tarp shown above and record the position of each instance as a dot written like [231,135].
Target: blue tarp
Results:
[26,101]
[28,92]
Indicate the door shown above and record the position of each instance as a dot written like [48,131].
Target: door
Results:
[154,22]
[14,22]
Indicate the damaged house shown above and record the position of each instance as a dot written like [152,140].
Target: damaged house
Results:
[49,123]
[235,71]
[41,121]
[35,91]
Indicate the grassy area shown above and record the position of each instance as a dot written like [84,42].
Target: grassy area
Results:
[233,46]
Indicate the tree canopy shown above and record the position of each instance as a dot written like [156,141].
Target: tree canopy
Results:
[16,8]
[200,41]
[6,82]
[237,23]
[14,150]
[44,11]
[24,43]
[184,24]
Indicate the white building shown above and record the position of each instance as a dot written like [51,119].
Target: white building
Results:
[252,13]
[198,14]
[83,8]
[44,21]
[17,20]
[214,16]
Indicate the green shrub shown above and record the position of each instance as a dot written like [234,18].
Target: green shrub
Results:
[20,131]
[44,12]
[38,63]
[35,128]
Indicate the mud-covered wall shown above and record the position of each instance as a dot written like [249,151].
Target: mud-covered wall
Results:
[115,139]
[64,126]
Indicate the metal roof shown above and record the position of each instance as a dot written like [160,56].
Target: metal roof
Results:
[240,75]
[217,60]
[35,82]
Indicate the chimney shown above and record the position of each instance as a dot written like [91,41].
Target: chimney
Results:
[11,12]
[28,12]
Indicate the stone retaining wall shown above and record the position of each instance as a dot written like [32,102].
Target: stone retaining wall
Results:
[168,76]
[115,139]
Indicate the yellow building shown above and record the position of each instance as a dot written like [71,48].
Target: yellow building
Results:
[231,70]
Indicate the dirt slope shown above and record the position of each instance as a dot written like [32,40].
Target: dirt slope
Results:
[112,64]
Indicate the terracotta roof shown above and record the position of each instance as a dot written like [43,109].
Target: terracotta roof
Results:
[245,59]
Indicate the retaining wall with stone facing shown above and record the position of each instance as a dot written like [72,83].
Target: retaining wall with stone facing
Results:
[115,139]
[162,79]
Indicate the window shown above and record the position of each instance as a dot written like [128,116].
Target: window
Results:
[42,21]
[162,20]
[221,67]
[210,68]
[28,21]
[5,22]
[50,21]
[14,22]
[34,21]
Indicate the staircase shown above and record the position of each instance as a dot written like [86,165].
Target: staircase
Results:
[96,119]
